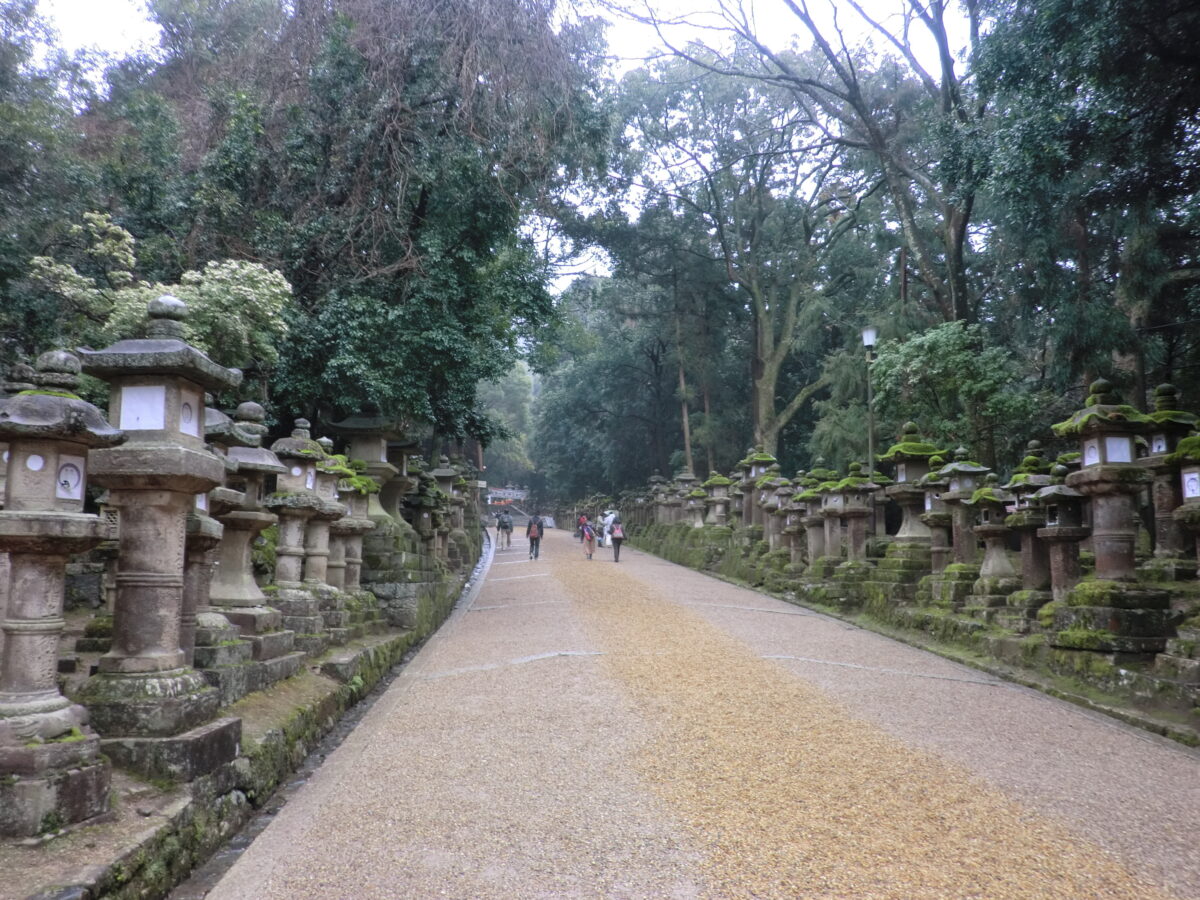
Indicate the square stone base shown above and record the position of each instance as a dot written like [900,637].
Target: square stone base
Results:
[49,801]
[181,757]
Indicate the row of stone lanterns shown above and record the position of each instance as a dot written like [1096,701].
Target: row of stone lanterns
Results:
[189,487]
[949,510]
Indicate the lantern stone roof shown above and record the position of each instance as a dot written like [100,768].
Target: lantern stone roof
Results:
[162,352]
[855,481]
[1103,408]
[717,480]
[910,446]
[50,408]
[962,465]
[991,493]
[299,445]
[390,429]
[1188,450]
[253,455]
[1166,408]
[20,378]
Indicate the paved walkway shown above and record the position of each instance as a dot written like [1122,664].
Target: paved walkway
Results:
[585,729]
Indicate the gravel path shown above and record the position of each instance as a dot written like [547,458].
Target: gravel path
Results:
[586,729]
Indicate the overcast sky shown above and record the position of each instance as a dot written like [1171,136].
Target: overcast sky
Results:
[120,25]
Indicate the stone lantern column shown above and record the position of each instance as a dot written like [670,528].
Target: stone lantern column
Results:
[1064,529]
[233,589]
[718,499]
[997,576]
[1113,612]
[937,516]
[909,556]
[144,690]
[1027,519]
[1171,561]
[857,510]
[745,486]
[295,501]
[20,378]
[51,770]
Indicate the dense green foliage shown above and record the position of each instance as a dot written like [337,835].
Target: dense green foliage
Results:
[347,193]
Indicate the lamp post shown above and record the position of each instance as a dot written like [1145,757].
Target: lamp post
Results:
[869,335]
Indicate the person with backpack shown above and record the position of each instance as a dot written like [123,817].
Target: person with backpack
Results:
[505,528]
[616,533]
[589,539]
[533,531]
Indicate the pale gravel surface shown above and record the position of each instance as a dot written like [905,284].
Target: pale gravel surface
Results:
[508,761]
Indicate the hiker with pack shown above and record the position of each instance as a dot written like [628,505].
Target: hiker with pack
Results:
[589,538]
[616,533]
[533,531]
[504,529]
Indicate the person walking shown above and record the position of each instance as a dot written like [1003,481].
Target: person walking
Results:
[533,531]
[506,529]
[616,532]
[589,539]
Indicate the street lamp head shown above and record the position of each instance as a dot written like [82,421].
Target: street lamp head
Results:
[869,335]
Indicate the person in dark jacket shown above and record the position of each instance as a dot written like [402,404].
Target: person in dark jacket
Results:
[533,531]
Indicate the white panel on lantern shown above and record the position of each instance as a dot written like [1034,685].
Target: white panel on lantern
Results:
[954,484]
[901,475]
[296,470]
[202,502]
[1091,453]
[69,483]
[310,479]
[1191,485]
[34,462]
[1118,449]
[928,503]
[1158,443]
[190,414]
[143,407]
[383,453]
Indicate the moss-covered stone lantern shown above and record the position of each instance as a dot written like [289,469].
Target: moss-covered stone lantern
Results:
[1062,531]
[20,378]
[50,762]
[144,692]
[694,504]
[1171,425]
[718,487]
[963,477]
[937,515]
[858,493]
[295,501]
[997,576]
[1112,613]
[910,458]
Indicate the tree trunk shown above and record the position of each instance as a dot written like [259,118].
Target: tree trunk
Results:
[683,404]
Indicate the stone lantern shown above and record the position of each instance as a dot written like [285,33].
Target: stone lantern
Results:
[356,492]
[368,438]
[809,502]
[1171,561]
[963,477]
[1187,514]
[657,497]
[997,575]
[910,458]
[694,505]
[717,500]
[20,378]
[832,502]
[793,528]
[1062,531]
[857,509]
[295,501]
[760,463]
[937,515]
[1026,518]
[51,769]
[233,587]
[744,488]
[144,692]
[1113,612]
